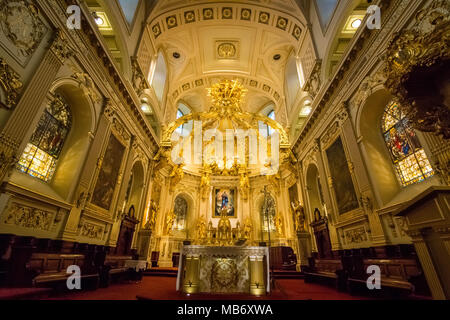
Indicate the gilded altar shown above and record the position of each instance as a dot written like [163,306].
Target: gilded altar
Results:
[211,269]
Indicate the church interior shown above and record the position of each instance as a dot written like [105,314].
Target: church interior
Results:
[265,149]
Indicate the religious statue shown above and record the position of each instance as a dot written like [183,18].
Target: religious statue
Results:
[175,176]
[210,233]
[238,231]
[201,230]
[244,185]
[279,224]
[248,227]
[224,232]
[153,212]
[170,219]
[205,184]
[299,214]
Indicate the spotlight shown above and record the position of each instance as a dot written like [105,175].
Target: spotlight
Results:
[356,23]
[99,21]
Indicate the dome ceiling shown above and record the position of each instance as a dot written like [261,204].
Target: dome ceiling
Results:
[248,41]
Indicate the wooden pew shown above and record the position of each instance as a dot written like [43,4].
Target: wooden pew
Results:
[327,271]
[49,270]
[398,276]
[115,266]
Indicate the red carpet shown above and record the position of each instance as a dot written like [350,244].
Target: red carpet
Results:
[163,288]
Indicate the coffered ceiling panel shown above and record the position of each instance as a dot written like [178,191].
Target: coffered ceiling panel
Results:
[226,48]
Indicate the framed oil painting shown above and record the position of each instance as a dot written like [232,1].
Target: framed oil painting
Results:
[344,188]
[224,198]
[108,175]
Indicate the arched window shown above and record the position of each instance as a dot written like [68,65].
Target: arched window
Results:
[268,213]
[159,77]
[408,156]
[264,129]
[180,210]
[186,128]
[293,80]
[43,151]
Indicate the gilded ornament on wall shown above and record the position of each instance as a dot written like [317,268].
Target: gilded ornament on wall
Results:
[11,84]
[417,64]
[22,26]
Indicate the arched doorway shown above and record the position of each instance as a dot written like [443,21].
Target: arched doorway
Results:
[133,215]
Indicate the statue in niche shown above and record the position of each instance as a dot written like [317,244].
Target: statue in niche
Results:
[248,227]
[201,230]
[299,214]
[224,232]
[170,219]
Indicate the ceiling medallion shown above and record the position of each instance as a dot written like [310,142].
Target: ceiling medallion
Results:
[227,49]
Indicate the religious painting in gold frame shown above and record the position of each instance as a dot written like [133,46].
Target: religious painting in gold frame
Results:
[109,174]
[225,198]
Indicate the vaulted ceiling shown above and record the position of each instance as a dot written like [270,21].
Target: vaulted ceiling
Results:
[204,42]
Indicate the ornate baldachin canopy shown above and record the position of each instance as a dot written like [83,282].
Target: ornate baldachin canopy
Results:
[225,113]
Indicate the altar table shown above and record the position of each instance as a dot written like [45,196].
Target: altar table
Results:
[210,269]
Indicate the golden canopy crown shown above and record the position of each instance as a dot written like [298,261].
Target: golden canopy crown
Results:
[227,96]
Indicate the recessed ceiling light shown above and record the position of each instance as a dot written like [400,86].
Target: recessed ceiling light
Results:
[356,23]
[277,57]
[99,21]
[176,55]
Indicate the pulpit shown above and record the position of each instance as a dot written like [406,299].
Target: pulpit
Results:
[428,220]
[210,269]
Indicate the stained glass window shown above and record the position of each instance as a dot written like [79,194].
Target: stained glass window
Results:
[268,213]
[408,156]
[180,210]
[45,146]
